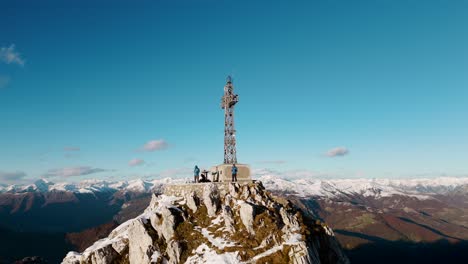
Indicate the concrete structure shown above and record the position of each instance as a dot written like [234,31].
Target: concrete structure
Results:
[181,190]
[224,170]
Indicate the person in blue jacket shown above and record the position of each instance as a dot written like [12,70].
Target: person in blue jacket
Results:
[234,172]
[196,173]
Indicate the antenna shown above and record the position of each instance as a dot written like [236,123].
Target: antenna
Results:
[228,101]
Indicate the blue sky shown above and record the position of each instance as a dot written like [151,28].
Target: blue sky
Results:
[84,85]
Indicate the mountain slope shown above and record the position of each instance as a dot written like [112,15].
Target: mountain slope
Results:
[213,227]
[410,221]
[366,214]
[18,245]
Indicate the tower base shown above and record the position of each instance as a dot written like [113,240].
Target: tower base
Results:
[243,173]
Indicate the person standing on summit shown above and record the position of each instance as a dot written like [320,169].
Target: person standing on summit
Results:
[196,174]
[234,172]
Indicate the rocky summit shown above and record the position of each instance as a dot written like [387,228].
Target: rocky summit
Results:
[244,223]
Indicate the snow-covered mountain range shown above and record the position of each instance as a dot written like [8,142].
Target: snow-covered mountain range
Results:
[89,186]
[415,210]
[419,188]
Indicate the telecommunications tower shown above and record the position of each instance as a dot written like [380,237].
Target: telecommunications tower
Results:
[228,101]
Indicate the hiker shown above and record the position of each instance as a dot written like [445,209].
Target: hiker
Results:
[234,172]
[196,173]
[215,175]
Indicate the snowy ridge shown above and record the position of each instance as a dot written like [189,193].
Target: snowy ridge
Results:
[91,186]
[419,188]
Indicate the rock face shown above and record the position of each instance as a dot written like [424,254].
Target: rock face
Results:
[244,225]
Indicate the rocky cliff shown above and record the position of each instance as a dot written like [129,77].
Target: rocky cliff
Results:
[243,225]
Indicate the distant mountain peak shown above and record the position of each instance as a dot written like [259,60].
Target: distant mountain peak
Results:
[42,185]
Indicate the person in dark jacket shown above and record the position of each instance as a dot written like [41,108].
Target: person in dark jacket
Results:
[196,174]
[234,172]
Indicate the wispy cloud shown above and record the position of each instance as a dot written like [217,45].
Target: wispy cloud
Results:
[72,171]
[295,174]
[4,81]
[272,162]
[10,177]
[337,152]
[136,162]
[9,55]
[153,145]
[69,148]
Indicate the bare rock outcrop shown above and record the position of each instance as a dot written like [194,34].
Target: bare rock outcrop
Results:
[211,199]
[247,215]
[192,201]
[243,225]
[174,252]
[141,243]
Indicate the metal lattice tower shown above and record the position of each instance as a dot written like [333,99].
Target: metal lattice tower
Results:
[228,101]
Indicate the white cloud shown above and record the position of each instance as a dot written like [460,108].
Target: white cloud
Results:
[72,171]
[135,162]
[157,144]
[9,55]
[337,152]
[12,176]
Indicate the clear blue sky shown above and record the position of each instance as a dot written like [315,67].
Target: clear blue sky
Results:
[88,83]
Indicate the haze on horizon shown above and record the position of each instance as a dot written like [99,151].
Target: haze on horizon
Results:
[114,89]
